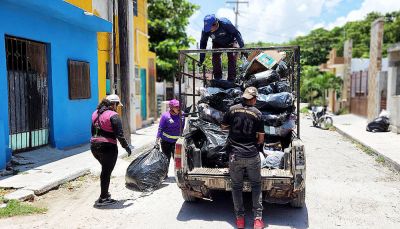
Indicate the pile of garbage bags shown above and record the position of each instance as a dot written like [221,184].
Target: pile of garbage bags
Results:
[269,73]
[146,172]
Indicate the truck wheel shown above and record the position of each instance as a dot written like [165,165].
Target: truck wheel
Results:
[300,201]
[187,197]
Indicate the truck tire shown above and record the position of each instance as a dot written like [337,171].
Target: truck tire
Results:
[187,197]
[300,200]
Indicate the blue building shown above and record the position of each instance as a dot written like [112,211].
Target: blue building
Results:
[48,74]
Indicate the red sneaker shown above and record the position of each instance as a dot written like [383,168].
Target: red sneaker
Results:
[258,224]
[240,222]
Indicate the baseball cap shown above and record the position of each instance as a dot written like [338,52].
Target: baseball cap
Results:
[208,21]
[114,99]
[174,103]
[250,93]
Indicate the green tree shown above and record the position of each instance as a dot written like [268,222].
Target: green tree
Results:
[314,84]
[167,29]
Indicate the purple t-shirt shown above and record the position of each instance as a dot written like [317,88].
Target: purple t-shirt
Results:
[169,128]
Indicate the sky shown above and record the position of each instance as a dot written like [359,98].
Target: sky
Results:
[282,20]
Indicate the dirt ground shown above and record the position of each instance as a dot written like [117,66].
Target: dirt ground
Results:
[346,188]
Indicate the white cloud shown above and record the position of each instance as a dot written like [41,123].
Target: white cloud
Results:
[330,4]
[194,28]
[382,6]
[302,8]
[274,20]
[282,20]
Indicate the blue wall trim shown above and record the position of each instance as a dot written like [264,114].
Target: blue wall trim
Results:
[73,39]
[60,10]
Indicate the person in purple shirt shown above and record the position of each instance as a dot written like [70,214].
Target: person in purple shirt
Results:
[170,128]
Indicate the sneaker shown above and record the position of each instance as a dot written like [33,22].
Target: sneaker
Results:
[104,201]
[258,223]
[240,222]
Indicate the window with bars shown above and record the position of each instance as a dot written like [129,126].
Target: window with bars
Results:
[79,79]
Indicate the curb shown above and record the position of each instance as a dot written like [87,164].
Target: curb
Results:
[30,192]
[388,160]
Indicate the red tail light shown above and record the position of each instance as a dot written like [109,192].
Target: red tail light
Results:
[178,153]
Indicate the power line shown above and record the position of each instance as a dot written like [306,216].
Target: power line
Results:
[236,9]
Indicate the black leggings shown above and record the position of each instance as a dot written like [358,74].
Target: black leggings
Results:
[106,154]
[168,149]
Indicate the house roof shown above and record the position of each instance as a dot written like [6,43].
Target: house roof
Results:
[362,64]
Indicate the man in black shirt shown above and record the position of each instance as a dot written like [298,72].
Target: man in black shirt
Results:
[246,132]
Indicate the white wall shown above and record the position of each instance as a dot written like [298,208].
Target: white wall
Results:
[393,100]
[101,6]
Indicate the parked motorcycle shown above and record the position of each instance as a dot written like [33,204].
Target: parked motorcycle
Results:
[320,118]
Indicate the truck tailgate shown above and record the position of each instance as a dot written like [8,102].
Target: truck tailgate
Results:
[223,172]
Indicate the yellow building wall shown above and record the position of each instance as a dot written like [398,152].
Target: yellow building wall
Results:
[103,52]
[141,49]
[141,35]
[83,4]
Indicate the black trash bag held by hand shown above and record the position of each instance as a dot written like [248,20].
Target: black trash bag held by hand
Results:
[147,171]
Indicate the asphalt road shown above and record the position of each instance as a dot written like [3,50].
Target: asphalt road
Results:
[346,188]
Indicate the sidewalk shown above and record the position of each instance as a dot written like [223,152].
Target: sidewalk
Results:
[48,167]
[386,144]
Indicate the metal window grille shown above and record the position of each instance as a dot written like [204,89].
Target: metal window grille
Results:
[27,93]
[79,79]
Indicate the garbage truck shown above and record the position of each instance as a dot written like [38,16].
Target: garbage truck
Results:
[201,162]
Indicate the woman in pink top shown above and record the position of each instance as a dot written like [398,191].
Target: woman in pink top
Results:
[106,129]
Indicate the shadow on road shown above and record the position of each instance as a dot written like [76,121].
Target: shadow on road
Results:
[221,209]
[120,204]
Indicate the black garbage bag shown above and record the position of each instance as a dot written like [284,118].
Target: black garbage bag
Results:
[380,124]
[212,143]
[283,130]
[224,84]
[207,91]
[275,87]
[274,102]
[221,100]
[283,140]
[281,86]
[272,119]
[216,101]
[282,69]
[262,79]
[234,92]
[272,159]
[266,90]
[147,171]
[210,114]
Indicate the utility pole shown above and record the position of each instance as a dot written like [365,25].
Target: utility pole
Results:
[124,65]
[111,15]
[236,9]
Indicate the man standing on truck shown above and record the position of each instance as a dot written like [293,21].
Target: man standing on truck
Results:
[223,35]
[246,132]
